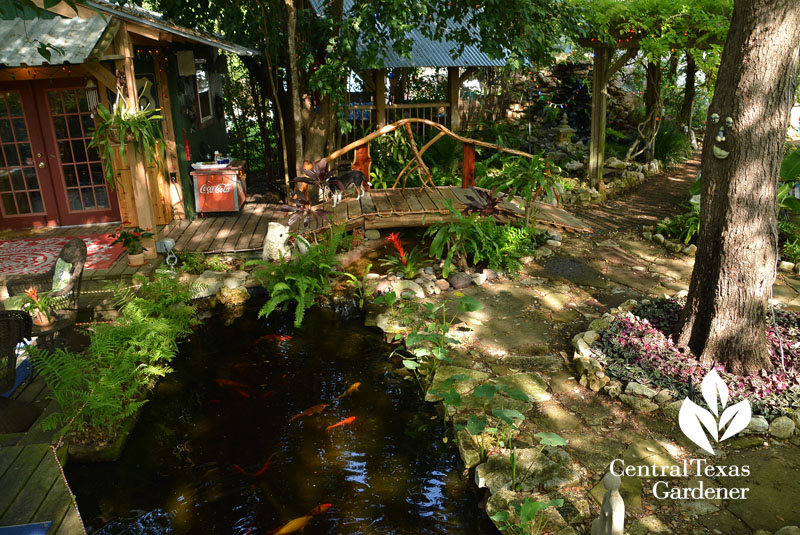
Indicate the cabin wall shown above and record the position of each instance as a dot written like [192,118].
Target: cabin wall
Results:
[199,141]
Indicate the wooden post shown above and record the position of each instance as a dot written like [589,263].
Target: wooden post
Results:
[141,183]
[380,99]
[468,166]
[597,145]
[363,161]
[454,87]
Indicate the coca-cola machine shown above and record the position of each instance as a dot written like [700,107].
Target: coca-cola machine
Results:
[219,190]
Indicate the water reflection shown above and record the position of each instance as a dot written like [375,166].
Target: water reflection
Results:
[217,450]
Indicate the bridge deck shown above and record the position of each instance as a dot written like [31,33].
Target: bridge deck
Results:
[377,209]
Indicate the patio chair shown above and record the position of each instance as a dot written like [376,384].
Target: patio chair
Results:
[63,280]
[15,416]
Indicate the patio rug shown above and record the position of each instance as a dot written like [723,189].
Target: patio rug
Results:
[36,255]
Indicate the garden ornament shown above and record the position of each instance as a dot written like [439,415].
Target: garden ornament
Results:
[275,247]
[719,153]
[612,513]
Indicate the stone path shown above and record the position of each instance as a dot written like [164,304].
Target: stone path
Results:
[522,337]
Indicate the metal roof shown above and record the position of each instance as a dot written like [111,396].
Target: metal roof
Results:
[152,19]
[425,52]
[76,36]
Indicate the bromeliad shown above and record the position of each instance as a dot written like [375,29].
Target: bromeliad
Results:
[394,239]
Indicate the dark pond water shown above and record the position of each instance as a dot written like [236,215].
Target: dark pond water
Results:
[224,416]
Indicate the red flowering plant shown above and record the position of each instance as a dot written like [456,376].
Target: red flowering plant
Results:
[400,262]
[37,304]
[131,238]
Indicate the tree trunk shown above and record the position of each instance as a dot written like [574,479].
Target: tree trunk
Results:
[685,115]
[652,102]
[294,86]
[724,318]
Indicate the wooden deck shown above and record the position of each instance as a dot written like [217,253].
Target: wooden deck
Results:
[377,209]
[33,490]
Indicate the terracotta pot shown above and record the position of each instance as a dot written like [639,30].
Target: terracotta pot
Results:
[136,259]
[40,320]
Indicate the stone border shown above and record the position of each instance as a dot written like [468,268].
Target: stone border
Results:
[666,243]
[642,398]
[633,174]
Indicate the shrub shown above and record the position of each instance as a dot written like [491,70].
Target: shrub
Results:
[671,144]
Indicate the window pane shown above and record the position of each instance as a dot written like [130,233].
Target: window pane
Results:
[14,104]
[65,151]
[5,180]
[60,125]
[88,124]
[88,198]
[54,97]
[83,104]
[17,180]
[25,153]
[74,123]
[70,178]
[3,106]
[31,179]
[23,206]
[74,198]
[9,207]
[70,105]
[204,99]
[102,197]
[37,205]
[92,154]
[20,130]
[84,178]
[97,174]
[79,150]
[6,135]
[11,155]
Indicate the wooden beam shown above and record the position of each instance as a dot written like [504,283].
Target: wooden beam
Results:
[597,144]
[106,39]
[380,98]
[467,74]
[144,31]
[468,166]
[620,62]
[454,85]
[141,183]
[103,76]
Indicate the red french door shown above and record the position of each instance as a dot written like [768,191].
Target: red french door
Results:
[53,178]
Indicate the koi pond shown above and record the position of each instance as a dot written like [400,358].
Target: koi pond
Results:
[266,428]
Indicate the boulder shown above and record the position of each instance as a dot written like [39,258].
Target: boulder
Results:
[788,530]
[644,406]
[590,337]
[406,288]
[786,267]
[538,470]
[478,279]
[209,282]
[689,250]
[490,274]
[782,427]
[639,389]
[758,424]
[659,238]
[554,235]
[231,297]
[542,252]
[372,234]
[615,163]
[442,284]
[553,244]
[459,280]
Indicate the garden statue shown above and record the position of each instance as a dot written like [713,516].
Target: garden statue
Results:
[564,132]
[612,513]
[275,246]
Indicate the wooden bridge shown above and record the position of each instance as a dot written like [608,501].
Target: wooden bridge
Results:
[385,208]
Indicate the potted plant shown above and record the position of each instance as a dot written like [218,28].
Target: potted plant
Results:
[127,123]
[38,306]
[131,238]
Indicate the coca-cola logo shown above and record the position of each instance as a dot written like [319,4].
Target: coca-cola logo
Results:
[219,188]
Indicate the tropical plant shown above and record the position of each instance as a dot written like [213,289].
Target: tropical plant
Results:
[131,238]
[359,285]
[402,262]
[99,389]
[485,203]
[300,280]
[529,521]
[388,299]
[671,144]
[302,209]
[125,123]
[526,177]
[37,304]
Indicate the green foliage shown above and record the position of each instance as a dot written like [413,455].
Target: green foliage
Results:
[359,285]
[682,227]
[122,122]
[196,263]
[389,154]
[388,299]
[302,279]
[671,144]
[99,389]
[480,240]
[525,177]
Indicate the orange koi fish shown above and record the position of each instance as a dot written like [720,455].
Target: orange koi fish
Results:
[346,421]
[353,388]
[268,394]
[273,338]
[240,469]
[242,393]
[265,466]
[320,509]
[316,409]
[228,382]
[293,526]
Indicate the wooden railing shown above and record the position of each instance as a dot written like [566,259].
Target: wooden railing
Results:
[364,117]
